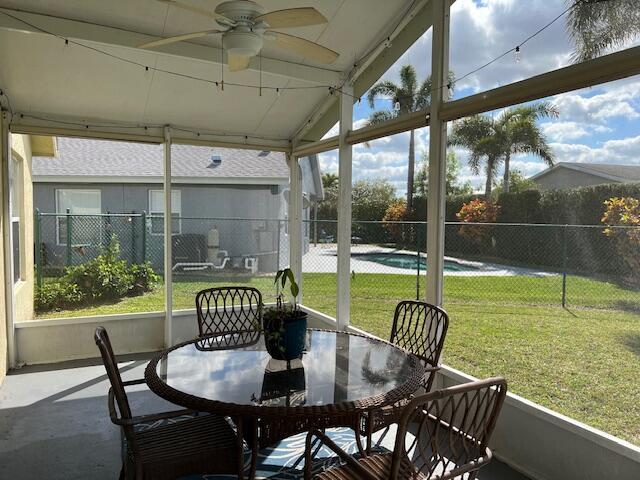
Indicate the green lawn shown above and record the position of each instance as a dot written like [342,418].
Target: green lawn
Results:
[582,361]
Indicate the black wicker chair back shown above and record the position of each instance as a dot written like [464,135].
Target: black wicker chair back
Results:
[117,386]
[226,310]
[449,430]
[420,328]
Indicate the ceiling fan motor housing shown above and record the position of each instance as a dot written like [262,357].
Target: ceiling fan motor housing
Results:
[241,11]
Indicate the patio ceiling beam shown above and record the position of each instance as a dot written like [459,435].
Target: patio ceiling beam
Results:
[604,69]
[416,23]
[401,124]
[151,134]
[127,39]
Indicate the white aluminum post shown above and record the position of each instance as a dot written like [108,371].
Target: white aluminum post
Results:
[295,220]
[168,287]
[5,164]
[345,152]
[437,153]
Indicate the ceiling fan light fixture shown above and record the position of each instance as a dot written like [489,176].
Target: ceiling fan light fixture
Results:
[243,44]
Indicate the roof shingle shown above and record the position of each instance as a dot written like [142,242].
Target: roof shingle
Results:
[103,158]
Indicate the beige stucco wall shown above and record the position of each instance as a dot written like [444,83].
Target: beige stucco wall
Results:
[567,178]
[23,292]
[3,316]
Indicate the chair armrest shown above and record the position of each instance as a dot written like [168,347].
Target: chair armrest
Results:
[352,462]
[471,466]
[153,417]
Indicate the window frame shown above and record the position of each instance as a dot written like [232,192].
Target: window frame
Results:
[155,213]
[62,242]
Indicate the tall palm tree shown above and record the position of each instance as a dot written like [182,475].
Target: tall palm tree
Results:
[407,96]
[514,131]
[598,25]
[523,135]
[329,180]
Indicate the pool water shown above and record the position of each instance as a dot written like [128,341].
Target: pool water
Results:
[409,262]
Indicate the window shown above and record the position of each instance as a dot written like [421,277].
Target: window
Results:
[156,211]
[15,189]
[81,204]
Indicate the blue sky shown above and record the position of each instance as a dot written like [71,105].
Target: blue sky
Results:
[596,125]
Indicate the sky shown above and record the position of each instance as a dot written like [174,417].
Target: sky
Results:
[596,125]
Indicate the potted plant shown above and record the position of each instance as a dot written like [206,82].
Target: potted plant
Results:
[285,325]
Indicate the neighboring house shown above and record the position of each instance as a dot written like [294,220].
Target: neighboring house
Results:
[573,175]
[225,203]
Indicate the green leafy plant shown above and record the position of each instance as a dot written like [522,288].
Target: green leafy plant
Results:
[104,278]
[622,220]
[57,296]
[275,319]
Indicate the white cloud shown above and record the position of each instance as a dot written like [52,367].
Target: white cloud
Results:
[612,151]
[562,131]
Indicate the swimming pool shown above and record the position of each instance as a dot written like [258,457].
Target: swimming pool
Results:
[409,262]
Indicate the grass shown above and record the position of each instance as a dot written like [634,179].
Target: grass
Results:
[582,361]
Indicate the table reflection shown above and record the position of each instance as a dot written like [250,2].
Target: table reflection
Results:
[336,367]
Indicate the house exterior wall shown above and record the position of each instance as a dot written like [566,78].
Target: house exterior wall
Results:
[4,354]
[568,178]
[23,289]
[202,208]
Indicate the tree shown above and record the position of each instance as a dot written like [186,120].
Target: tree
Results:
[371,198]
[329,180]
[421,184]
[518,182]
[598,25]
[522,134]
[407,96]
[514,131]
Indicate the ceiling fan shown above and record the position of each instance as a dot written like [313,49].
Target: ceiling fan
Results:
[246,26]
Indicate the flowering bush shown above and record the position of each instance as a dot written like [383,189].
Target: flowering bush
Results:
[478,211]
[397,212]
[625,212]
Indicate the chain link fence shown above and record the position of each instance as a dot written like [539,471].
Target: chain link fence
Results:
[575,266]
[532,264]
[201,247]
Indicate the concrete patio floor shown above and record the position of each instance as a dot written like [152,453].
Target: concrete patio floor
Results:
[54,422]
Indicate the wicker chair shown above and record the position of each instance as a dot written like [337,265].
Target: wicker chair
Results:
[448,435]
[226,310]
[420,328]
[166,445]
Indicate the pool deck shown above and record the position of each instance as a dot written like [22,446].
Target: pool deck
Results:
[323,259]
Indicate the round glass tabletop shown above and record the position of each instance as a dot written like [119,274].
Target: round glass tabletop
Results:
[335,368]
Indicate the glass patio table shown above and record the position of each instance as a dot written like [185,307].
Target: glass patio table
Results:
[339,377]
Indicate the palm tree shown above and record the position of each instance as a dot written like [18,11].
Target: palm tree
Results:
[598,25]
[329,180]
[496,139]
[407,96]
[523,135]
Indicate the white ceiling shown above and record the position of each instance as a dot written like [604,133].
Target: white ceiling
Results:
[45,77]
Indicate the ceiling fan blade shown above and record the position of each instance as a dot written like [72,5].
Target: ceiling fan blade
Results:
[201,11]
[178,38]
[292,17]
[238,62]
[304,47]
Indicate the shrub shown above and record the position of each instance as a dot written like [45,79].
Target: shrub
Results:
[397,212]
[106,277]
[57,296]
[478,211]
[625,212]
[143,278]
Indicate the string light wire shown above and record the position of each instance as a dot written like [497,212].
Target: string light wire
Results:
[260,87]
